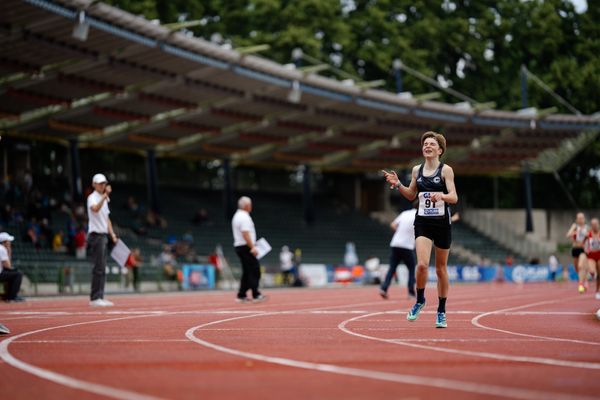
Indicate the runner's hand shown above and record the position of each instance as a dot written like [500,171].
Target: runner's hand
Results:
[436,196]
[391,177]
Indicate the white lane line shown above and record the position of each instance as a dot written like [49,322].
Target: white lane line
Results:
[43,314]
[440,383]
[6,356]
[483,354]
[97,341]
[507,311]
[65,380]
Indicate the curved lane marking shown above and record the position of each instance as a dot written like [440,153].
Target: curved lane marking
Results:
[440,383]
[475,321]
[65,380]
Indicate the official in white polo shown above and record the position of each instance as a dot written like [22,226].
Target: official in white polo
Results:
[100,232]
[402,249]
[244,239]
[9,276]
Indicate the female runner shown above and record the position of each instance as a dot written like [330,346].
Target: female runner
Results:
[592,249]
[577,233]
[433,182]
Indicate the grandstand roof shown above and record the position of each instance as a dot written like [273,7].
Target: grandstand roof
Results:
[133,84]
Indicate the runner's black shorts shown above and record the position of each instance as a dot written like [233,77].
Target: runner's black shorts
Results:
[576,251]
[440,235]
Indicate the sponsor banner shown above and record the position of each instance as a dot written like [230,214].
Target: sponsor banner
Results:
[527,273]
[198,276]
[314,274]
[467,273]
[321,274]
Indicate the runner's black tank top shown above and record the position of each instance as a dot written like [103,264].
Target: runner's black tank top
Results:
[429,213]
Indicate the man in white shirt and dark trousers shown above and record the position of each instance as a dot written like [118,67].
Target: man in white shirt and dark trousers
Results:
[244,239]
[100,232]
[403,250]
[9,276]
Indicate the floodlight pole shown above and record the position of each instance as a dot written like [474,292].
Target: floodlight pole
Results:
[297,57]
[152,180]
[227,190]
[523,74]
[397,64]
[528,199]
[76,186]
[309,212]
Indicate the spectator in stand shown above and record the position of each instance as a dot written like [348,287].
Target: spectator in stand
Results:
[553,265]
[509,260]
[8,274]
[79,212]
[297,264]
[169,264]
[188,237]
[132,206]
[287,265]
[33,233]
[58,243]
[200,217]
[153,219]
[46,235]
[133,264]
[80,243]
[71,227]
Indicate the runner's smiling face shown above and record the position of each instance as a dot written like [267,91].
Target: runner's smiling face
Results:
[431,148]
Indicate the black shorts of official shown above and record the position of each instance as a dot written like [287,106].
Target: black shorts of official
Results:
[440,235]
[576,252]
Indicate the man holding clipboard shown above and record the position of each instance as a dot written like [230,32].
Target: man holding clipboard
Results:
[248,251]
[100,232]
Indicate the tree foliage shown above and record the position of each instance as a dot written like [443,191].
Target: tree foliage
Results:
[475,46]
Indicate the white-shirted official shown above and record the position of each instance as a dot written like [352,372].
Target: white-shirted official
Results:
[9,276]
[244,240]
[402,249]
[100,231]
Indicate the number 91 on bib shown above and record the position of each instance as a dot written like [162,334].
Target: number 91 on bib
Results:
[429,208]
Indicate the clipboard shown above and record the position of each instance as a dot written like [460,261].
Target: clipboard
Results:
[263,248]
[120,253]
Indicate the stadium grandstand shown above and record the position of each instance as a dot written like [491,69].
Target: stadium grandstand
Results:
[189,125]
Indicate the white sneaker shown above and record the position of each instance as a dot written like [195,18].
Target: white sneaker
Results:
[101,303]
[4,330]
[97,303]
[597,295]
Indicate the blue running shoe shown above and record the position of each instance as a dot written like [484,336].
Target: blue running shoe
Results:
[441,320]
[413,314]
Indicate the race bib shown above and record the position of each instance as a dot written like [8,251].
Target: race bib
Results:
[580,234]
[594,244]
[429,208]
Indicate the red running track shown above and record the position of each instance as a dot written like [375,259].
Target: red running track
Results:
[539,341]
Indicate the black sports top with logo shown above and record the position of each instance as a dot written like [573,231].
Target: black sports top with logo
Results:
[429,212]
